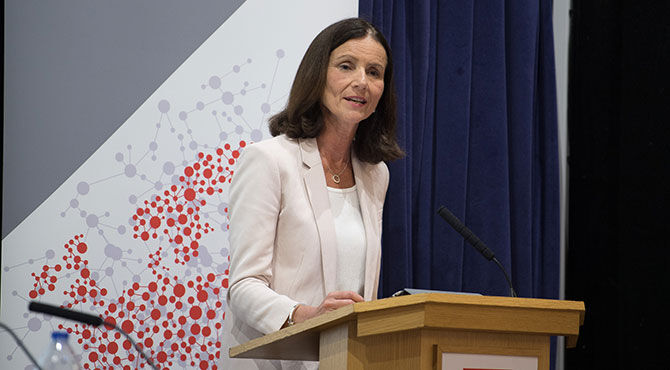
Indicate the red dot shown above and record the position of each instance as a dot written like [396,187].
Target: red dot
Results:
[155,222]
[202,296]
[207,173]
[211,314]
[204,364]
[195,329]
[195,312]
[153,286]
[81,290]
[161,356]
[112,347]
[148,342]
[183,219]
[162,300]
[127,326]
[189,194]
[188,171]
[155,314]
[32,294]
[85,273]
[93,356]
[179,290]
[82,247]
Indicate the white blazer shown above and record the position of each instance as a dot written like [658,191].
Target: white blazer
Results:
[283,248]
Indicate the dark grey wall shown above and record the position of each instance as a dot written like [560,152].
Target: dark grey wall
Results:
[75,70]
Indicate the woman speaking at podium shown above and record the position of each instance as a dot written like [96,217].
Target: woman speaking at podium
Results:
[306,205]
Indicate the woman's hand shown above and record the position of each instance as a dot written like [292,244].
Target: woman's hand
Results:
[333,301]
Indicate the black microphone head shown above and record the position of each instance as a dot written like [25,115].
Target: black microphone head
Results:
[466,233]
[64,313]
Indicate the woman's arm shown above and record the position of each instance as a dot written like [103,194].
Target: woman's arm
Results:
[255,202]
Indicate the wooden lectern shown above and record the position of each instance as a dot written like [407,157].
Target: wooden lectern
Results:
[413,332]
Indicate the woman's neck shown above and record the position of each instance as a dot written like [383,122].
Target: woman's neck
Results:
[335,141]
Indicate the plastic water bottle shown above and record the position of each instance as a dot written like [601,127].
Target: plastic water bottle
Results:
[59,355]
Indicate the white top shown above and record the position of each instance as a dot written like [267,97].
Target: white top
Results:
[350,233]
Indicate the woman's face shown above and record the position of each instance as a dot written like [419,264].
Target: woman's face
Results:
[354,81]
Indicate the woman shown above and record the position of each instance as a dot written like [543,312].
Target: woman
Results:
[306,206]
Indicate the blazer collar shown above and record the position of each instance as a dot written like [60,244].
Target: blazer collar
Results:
[315,183]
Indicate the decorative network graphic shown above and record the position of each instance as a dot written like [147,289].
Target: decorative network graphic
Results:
[161,269]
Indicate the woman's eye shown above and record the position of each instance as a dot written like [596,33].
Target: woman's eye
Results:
[345,67]
[374,73]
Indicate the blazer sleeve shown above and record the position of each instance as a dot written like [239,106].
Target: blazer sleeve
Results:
[255,202]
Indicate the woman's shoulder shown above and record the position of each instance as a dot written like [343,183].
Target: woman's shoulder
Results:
[273,146]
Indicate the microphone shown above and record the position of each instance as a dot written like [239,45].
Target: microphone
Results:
[65,313]
[474,241]
[85,318]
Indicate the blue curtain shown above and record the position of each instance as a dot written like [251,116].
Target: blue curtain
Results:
[477,115]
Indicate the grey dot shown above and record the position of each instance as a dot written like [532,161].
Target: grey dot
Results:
[180,137]
[131,222]
[214,82]
[130,170]
[137,278]
[132,199]
[239,110]
[95,276]
[223,136]
[265,108]
[15,293]
[121,229]
[107,214]
[163,106]
[92,220]
[74,203]
[222,208]
[175,180]
[158,185]
[34,324]
[239,130]
[129,146]
[243,92]
[256,135]
[263,86]
[280,53]
[82,213]
[193,145]
[227,97]
[109,271]
[182,148]
[143,177]
[124,264]
[101,232]
[62,214]
[183,115]
[31,261]
[168,168]
[50,254]
[189,131]
[83,188]
[236,68]
[119,157]
[153,157]
[153,146]
[200,105]
[6,269]
[224,252]
[113,252]
[249,60]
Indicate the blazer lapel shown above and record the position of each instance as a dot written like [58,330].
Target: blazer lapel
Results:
[369,212]
[315,183]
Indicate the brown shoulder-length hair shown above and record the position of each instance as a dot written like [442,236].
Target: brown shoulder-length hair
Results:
[376,135]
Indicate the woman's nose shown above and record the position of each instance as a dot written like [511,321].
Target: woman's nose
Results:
[361,78]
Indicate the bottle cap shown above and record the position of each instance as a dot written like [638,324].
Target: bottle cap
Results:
[59,335]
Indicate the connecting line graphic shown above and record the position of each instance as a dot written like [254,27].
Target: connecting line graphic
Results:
[159,271]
